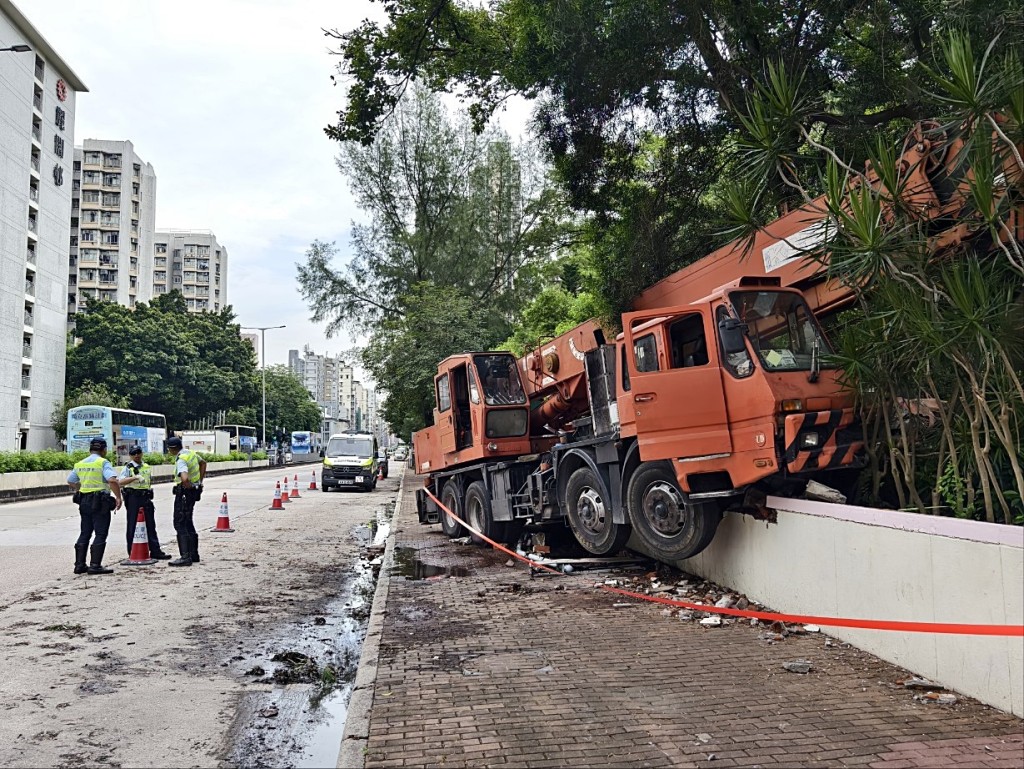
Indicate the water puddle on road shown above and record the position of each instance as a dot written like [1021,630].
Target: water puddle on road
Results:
[311,667]
[408,565]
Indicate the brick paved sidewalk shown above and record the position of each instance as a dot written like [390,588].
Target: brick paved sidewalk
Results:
[498,669]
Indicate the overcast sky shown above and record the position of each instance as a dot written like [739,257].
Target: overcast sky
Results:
[228,100]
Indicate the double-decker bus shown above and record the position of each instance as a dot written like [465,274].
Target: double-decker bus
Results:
[121,428]
[242,437]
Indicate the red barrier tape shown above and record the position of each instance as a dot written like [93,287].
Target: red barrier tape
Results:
[867,624]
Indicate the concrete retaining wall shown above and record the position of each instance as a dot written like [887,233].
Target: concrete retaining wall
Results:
[845,561]
[49,483]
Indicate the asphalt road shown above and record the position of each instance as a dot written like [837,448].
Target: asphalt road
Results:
[147,666]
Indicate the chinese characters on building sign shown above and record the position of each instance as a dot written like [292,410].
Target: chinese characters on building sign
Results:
[59,117]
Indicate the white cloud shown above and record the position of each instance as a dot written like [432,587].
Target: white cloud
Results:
[228,100]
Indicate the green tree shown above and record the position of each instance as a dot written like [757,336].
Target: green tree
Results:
[163,358]
[473,215]
[290,407]
[88,394]
[638,101]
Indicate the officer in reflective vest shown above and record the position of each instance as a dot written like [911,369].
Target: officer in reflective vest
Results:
[90,480]
[136,481]
[189,472]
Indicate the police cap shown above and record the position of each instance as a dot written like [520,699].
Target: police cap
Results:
[135,451]
[97,444]
[173,443]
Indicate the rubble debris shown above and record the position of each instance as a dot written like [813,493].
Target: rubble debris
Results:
[704,737]
[920,683]
[943,698]
[510,562]
[823,493]
[725,602]
[812,629]
[712,621]
[797,666]
[269,712]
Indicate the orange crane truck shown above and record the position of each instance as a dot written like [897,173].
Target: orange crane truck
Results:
[716,392]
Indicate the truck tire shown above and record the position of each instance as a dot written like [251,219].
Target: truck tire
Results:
[590,514]
[477,507]
[670,527]
[450,499]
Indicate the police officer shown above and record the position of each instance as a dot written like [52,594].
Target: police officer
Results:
[189,472]
[136,481]
[90,479]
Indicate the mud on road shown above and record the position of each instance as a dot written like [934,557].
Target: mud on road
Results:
[243,659]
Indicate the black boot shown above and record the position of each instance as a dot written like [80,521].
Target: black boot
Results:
[159,554]
[80,551]
[184,548]
[96,567]
[194,540]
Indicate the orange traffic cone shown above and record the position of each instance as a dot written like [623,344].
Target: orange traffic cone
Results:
[223,520]
[277,498]
[295,491]
[284,491]
[312,483]
[140,544]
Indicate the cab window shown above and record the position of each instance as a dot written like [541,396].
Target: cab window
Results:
[687,342]
[444,395]
[645,350]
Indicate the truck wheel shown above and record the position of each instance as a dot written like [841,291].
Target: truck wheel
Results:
[670,527]
[590,514]
[478,514]
[450,499]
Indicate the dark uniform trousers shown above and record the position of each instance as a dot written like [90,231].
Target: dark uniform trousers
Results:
[133,500]
[184,504]
[95,511]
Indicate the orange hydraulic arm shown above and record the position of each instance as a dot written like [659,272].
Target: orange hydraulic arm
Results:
[934,186]
[554,376]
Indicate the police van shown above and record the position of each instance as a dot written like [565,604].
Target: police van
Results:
[350,460]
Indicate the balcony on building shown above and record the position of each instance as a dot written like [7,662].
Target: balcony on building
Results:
[93,159]
[33,224]
[30,255]
[30,287]
[26,349]
[26,382]
[37,130]
[112,161]
[37,98]
[40,69]
[24,413]
[28,317]
[34,161]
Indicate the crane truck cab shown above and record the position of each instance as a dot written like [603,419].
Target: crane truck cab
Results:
[350,460]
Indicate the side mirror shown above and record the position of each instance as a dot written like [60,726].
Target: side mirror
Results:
[733,334]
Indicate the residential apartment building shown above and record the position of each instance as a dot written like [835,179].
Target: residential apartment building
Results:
[113,218]
[194,263]
[332,384]
[38,92]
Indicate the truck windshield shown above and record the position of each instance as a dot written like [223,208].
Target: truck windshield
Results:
[781,328]
[355,446]
[500,377]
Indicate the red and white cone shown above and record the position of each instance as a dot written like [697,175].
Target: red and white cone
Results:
[312,483]
[140,544]
[223,519]
[277,498]
[284,491]
[295,489]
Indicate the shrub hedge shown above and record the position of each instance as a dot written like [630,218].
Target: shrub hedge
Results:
[32,461]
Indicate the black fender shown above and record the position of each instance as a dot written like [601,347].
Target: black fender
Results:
[571,460]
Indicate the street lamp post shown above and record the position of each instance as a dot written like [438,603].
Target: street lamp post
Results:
[263,366]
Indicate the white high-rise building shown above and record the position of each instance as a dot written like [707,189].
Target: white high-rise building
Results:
[194,263]
[113,218]
[38,91]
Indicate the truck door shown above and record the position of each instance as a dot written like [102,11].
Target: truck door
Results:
[676,383]
[445,421]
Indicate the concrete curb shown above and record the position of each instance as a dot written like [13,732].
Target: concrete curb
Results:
[352,754]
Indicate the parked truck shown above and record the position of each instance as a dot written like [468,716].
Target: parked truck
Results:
[206,441]
[716,392]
